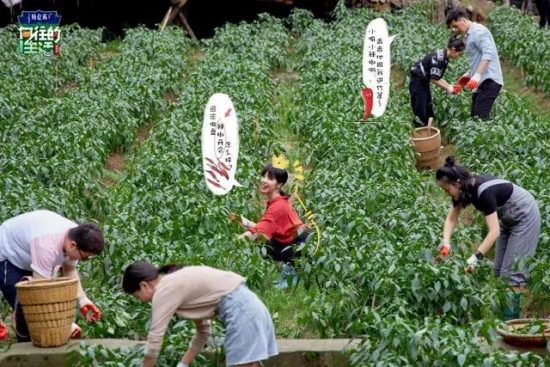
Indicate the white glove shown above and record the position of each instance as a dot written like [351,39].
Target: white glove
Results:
[472,260]
[246,223]
[476,77]
[83,301]
[181,364]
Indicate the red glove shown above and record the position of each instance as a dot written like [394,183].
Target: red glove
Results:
[474,81]
[455,89]
[463,80]
[76,332]
[4,331]
[85,310]
[444,249]
[367,96]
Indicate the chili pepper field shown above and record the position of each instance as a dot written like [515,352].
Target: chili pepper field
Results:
[296,87]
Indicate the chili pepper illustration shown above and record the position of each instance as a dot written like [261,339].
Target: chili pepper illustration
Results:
[224,166]
[367,96]
[215,184]
[221,171]
[210,161]
[213,175]
[228,112]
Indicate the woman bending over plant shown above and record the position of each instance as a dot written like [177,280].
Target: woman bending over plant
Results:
[200,293]
[511,214]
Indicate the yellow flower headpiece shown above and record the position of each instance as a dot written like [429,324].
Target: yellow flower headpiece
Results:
[298,171]
[279,162]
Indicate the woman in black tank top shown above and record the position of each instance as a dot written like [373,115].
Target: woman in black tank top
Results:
[511,214]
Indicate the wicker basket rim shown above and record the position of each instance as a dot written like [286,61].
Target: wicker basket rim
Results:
[512,335]
[46,283]
[437,133]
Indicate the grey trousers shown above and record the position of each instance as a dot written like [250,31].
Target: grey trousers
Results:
[519,234]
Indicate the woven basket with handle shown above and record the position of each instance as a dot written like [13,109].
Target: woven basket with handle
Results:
[49,306]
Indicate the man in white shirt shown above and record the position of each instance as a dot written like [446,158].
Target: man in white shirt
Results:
[38,243]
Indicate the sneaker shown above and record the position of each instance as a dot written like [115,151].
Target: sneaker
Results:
[287,272]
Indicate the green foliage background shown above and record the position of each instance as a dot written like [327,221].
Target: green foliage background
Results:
[373,277]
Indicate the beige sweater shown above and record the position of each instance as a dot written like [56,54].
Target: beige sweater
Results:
[193,293]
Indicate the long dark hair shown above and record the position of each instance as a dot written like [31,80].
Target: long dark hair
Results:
[456,44]
[453,173]
[142,271]
[280,175]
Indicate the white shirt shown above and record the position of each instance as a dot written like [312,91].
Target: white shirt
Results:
[34,241]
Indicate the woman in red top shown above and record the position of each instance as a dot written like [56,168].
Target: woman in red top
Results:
[280,225]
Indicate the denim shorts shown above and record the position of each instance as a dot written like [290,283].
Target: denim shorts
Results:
[249,331]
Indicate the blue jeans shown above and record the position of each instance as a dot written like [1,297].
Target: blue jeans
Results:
[9,276]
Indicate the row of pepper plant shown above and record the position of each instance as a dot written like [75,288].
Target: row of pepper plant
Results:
[522,41]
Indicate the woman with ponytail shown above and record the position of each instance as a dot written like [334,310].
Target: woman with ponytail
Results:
[511,213]
[430,70]
[280,225]
[200,293]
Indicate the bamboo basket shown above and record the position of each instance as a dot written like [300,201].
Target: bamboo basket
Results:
[49,306]
[427,142]
[524,340]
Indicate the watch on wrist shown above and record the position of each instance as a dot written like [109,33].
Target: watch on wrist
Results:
[479,255]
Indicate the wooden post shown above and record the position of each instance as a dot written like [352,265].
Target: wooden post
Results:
[176,10]
[186,25]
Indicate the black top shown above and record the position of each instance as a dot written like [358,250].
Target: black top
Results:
[432,66]
[492,197]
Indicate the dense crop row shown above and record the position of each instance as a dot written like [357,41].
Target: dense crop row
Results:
[524,43]
[54,148]
[380,217]
[29,80]
[163,211]
[373,277]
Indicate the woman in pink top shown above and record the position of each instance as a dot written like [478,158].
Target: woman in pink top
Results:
[201,293]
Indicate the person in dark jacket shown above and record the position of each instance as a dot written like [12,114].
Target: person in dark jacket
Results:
[430,69]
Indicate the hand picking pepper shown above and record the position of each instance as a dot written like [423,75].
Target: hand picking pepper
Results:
[463,80]
[89,311]
[76,331]
[474,81]
[444,249]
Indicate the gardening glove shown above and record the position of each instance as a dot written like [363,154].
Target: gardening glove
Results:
[454,89]
[86,306]
[76,331]
[181,364]
[463,80]
[4,331]
[472,263]
[444,249]
[474,81]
